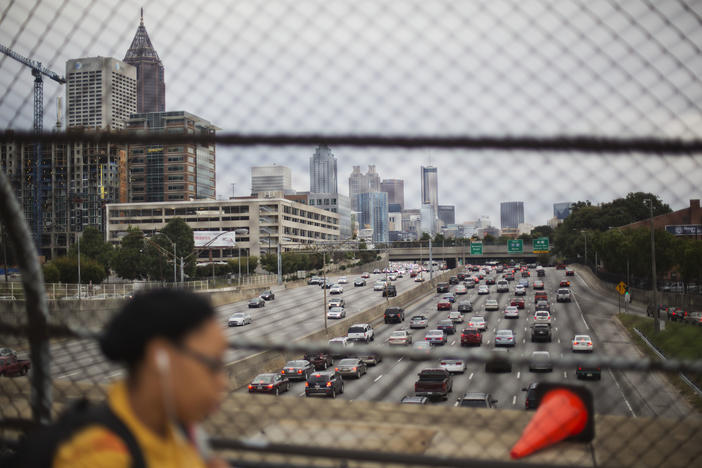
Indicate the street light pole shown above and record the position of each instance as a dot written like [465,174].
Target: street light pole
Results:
[79,288]
[585,234]
[653,266]
[431,263]
[324,286]
[280,265]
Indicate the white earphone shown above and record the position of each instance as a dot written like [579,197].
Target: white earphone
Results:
[163,362]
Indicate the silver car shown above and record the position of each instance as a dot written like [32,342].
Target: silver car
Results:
[504,338]
[491,304]
[336,313]
[435,337]
[239,319]
[419,321]
[540,361]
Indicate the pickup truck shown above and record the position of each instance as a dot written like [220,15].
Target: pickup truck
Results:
[10,365]
[435,382]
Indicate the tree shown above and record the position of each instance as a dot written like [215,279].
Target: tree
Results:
[93,245]
[542,231]
[425,236]
[129,260]
[67,268]
[180,233]
[690,260]
[51,273]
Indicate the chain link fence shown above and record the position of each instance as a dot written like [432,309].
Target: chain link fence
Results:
[539,101]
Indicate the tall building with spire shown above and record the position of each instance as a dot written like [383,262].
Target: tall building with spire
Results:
[323,177]
[151,86]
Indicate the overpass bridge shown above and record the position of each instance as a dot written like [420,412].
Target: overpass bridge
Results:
[457,254]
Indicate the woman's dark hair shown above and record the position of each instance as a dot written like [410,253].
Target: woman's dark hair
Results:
[164,313]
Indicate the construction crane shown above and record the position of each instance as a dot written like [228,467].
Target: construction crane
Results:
[37,71]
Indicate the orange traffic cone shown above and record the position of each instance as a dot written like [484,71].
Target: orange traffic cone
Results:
[563,412]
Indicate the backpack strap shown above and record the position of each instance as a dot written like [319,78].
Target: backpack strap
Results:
[103,415]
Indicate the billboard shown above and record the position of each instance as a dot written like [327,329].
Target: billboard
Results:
[685,229]
[214,239]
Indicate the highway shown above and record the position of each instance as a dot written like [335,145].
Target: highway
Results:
[623,393]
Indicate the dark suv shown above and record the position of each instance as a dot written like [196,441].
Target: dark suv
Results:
[394,315]
[588,372]
[530,401]
[541,332]
[327,383]
[442,288]
[465,306]
[453,280]
[320,361]
[390,291]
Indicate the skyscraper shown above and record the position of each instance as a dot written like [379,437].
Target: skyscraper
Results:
[270,179]
[447,214]
[323,177]
[395,188]
[151,87]
[100,93]
[430,187]
[511,214]
[373,208]
[562,210]
[362,183]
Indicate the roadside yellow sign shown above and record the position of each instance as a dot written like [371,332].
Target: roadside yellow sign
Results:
[621,288]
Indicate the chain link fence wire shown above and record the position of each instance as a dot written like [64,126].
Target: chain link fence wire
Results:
[541,101]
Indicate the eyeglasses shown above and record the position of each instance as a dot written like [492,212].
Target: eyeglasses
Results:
[213,364]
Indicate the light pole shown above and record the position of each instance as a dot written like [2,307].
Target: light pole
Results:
[653,265]
[175,258]
[585,234]
[79,288]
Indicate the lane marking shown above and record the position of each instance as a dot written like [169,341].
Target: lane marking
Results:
[453,343]
[565,375]
[514,400]
[302,394]
[68,374]
[622,392]
[400,359]
[518,374]
[470,376]
[582,316]
[378,378]
[559,341]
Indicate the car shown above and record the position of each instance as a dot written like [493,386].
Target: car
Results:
[336,289]
[419,278]
[450,297]
[269,383]
[523,282]
[413,273]
[569,272]
[540,361]
[257,302]
[541,332]
[563,295]
[434,382]
[502,286]
[369,358]
[320,361]
[336,302]
[471,337]
[469,283]
[465,306]
[394,315]
[328,383]
[456,316]
[454,365]
[423,347]
[518,302]
[538,285]
[376,271]
[326,285]
[491,304]
[490,280]
[8,352]
[400,337]
[504,337]
[531,400]
[478,322]
[336,313]
[267,295]
[365,275]
[476,400]
[361,332]
[392,277]
[694,318]
[379,285]
[390,291]
[540,296]
[447,326]
[460,290]
[359,283]
[351,367]
[453,280]
[582,343]
[511,312]
[584,371]
[499,362]
[239,319]
[442,288]
[297,370]
[560,266]
[435,337]
[543,305]
[483,289]
[340,346]
[564,284]
[542,316]
[414,400]
[443,304]
[419,321]
[342,280]
[519,290]
[315,280]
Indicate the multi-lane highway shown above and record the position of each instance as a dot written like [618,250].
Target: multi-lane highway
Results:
[625,393]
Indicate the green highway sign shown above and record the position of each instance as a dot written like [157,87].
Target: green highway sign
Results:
[515,246]
[476,248]
[540,245]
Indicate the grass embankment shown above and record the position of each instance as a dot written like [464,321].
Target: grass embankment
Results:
[677,341]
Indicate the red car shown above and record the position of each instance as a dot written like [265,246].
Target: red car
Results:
[413,273]
[540,296]
[517,301]
[471,337]
[365,275]
[570,272]
[560,266]
[443,304]
[564,284]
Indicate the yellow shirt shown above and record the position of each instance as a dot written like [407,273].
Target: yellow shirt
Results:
[97,447]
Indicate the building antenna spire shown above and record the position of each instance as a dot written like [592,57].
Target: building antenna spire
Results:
[142,16]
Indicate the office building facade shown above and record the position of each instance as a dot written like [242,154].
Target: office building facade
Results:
[362,183]
[323,171]
[430,187]
[336,203]
[373,214]
[447,214]
[150,81]
[270,179]
[562,210]
[395,188]
[171,172]
[511,214]
[101,93]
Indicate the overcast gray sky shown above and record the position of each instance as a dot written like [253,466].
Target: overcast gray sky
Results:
[452,67]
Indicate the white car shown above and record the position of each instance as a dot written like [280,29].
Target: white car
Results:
[541,316]
[400,337]
[511,312]
[478,323]
[502,286]
[419,279]
[239,319]
[336,313]
[392,277]
[460,289]
[455,316]
[519,290]
[419,321]
[491,304]
[336,289]
[454,365]
[343,280]
[361,332]
[336,302]
[582,343]
[379,286]
[504,338]
[482,289]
